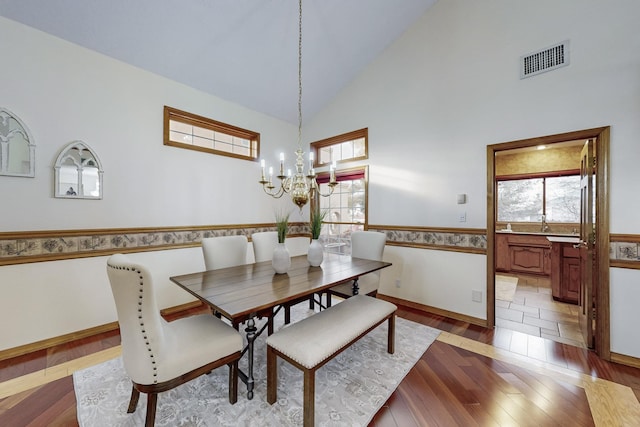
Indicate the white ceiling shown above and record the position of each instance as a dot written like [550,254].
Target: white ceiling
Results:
[244,51]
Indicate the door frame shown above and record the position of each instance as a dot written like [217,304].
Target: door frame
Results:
[601,136]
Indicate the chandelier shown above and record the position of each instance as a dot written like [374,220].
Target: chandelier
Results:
[301,187]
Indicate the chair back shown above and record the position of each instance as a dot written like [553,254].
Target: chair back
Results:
[368,244]
[224,251]
[141,327]
[264,243]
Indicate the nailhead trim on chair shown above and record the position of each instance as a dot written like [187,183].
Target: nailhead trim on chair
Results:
[142,327]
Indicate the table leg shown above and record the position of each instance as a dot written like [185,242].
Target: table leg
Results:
[356,287]
[251,336]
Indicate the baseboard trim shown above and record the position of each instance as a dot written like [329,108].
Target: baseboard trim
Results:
[85,333]
[434,310]
[623,359]
[51,342]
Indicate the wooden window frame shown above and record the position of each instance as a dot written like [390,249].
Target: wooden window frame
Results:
[173,114]
[358,172]
[339,139]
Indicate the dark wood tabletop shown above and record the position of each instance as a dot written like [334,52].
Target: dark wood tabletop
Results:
[243,291]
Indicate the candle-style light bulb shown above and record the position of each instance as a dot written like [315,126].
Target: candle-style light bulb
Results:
[281,164]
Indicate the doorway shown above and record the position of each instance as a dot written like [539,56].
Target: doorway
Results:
[599,270]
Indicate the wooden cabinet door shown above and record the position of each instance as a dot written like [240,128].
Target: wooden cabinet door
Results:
[556,270]
[571,280]
[502,253]
[528,259]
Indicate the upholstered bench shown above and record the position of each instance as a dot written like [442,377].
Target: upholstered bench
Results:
[314,341]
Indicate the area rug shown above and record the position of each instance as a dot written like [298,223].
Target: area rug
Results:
[506,287]
[349,390]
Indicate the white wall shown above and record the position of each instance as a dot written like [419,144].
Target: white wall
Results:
[625,316]
[450,86]
[435,278]
[63,93]
[49,299]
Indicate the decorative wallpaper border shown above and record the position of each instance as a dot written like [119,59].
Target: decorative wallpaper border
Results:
[472,240]
[39,246]
[25,247]
[624,250]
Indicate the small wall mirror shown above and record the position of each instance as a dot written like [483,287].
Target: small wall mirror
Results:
[17,150]
[78,173]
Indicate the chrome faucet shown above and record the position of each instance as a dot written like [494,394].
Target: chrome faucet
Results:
[544,226]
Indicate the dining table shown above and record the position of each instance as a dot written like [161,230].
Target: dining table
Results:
[244,292]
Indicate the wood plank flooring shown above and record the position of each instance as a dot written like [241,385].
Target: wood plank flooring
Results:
[469,376]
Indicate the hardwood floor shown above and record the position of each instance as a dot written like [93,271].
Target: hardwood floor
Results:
[469,376]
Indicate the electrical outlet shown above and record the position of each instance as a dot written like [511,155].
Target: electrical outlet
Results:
[476,296]
[397,283]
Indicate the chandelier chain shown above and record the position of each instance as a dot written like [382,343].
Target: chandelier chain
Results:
[300,75]
[301,188]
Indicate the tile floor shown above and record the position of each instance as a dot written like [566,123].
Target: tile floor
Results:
[534,312]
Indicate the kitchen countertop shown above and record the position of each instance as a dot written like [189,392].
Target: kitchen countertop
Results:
[563,239]
[568,238]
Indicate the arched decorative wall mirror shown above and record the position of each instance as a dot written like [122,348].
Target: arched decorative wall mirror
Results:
[78,173]
[17,150]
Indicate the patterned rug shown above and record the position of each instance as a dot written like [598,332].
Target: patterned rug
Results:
[349,390]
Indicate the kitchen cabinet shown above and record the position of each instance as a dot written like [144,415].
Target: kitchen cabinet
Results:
[523,253]
[565,270]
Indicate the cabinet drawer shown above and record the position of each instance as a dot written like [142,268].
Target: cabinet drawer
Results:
[568,251]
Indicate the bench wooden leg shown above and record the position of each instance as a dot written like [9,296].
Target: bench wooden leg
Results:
[392,334]
[272,376]
[309,398]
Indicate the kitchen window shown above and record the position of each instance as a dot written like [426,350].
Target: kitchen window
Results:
[527,199]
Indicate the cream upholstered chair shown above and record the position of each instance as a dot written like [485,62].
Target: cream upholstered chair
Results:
[366,245]
[160,355]
[264,242]
[224,251]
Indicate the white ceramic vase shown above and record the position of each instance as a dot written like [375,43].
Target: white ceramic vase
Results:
[315,254]
[281,259]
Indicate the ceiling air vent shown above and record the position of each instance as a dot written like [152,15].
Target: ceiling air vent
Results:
[544,60]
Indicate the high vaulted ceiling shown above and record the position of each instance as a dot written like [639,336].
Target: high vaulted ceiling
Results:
[244,51]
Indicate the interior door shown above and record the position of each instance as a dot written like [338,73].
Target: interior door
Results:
[588,271]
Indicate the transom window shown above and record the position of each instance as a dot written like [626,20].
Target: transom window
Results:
[346,147]
[193,132]
[527,199]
